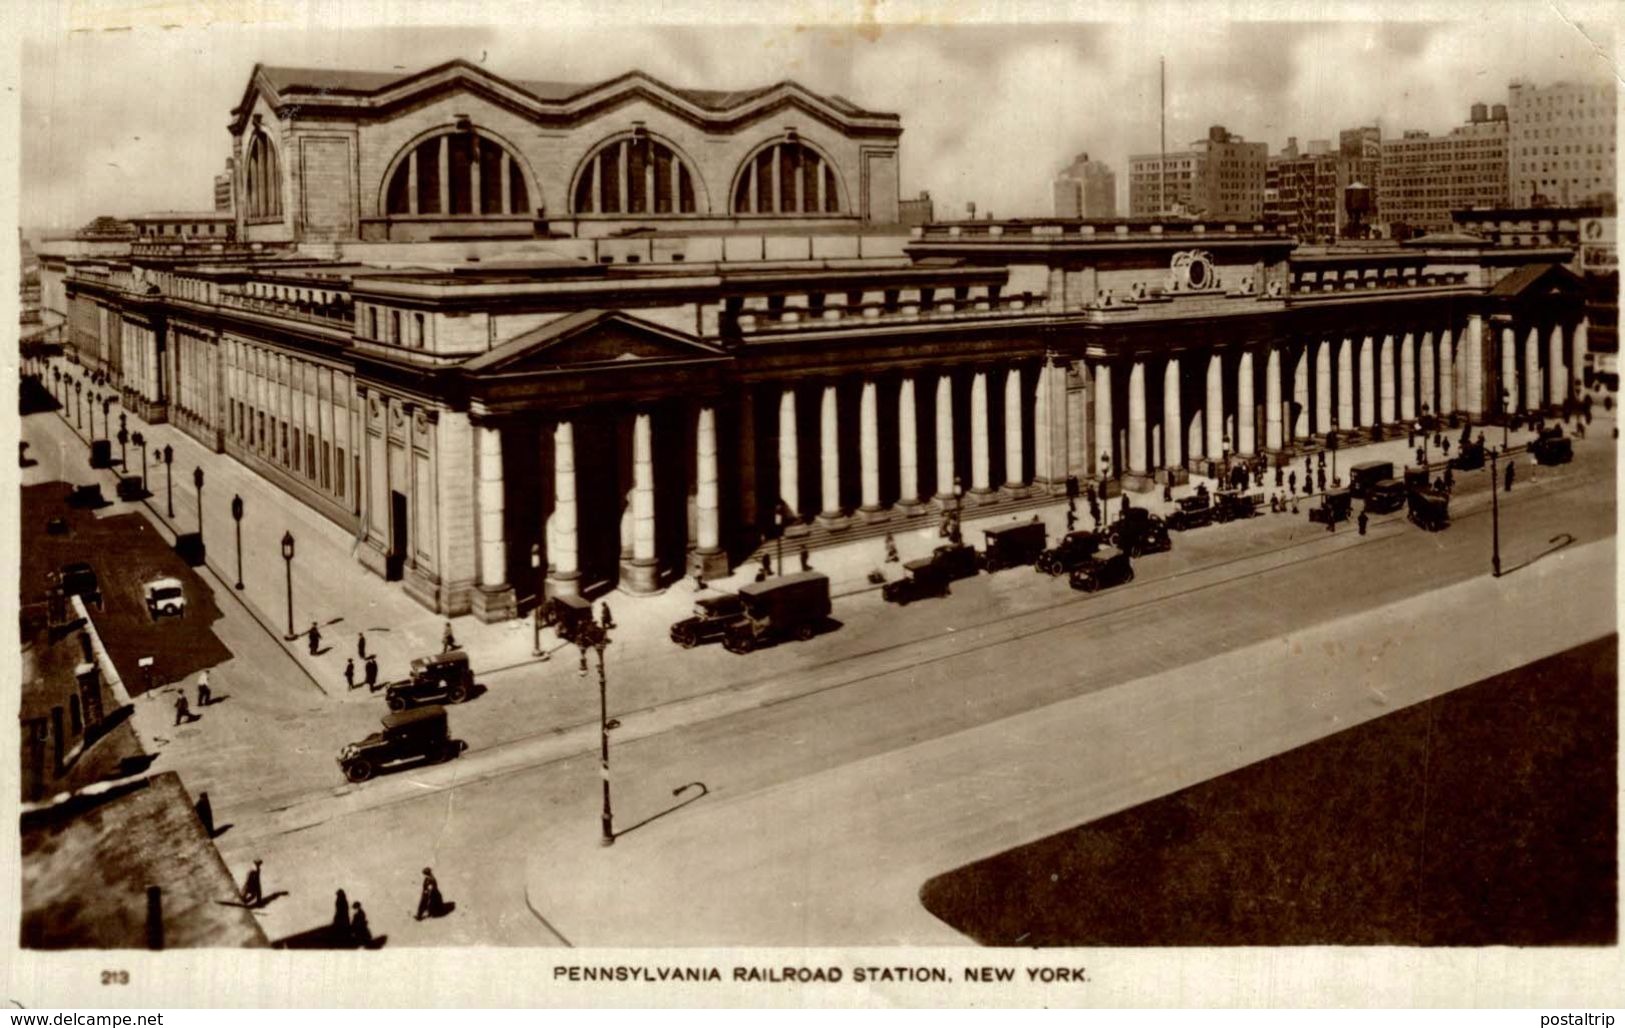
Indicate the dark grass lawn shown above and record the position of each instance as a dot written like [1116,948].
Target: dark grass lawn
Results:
[1484,817]
[126,552]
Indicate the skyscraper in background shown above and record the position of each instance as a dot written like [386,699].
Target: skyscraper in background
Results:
[1085,189]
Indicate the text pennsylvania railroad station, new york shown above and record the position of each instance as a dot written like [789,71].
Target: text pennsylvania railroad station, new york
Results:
[787,974]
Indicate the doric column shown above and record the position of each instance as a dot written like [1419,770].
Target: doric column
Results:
[829,453]
[1427,397]
[1014,454]
[1509,373]
[1323,386]
[1215,405]
[789,468]
[869,446]
[1531,370]
[1136,418]
[1272,399]
[493,570]
[1385,379]
[945,436]
[705,473]
[1368,382]
[1582,346]
[1345,385]
[643,499]
[1447,373]
[1246,409]
[979,475]
[1173,422]
[1557,375]
[1043,426]
[908,452]
[1407,377]
[1104,432]
[1300,393]
[562,555]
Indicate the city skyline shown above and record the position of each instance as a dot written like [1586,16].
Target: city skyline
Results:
[1264,81]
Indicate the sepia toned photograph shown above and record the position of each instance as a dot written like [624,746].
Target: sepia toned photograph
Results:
[1047,480]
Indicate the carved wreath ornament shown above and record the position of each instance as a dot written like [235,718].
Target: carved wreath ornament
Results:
[1192,269]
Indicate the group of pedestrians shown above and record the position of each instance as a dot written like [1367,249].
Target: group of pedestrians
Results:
[350,926]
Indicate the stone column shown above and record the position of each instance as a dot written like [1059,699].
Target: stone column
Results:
[1173,422]
[829,460]
[1509,373]
[908,452]
[1215,405]
[789,469]
[1246,409]
[1345,385]
[945,437]
[1368,382]
[1447,374]
[1136,419]
[978,433]
[1582,346]
[1427,396]
[1104,432]
[1407,377]
[1042,426]
[1300,394]
[709,560]
[1557,375]
[1323,386]
[1385,379]
[564,573]
[869,447]
[642,575]
[1014,454]
[493,567]
[1272,399]
[1531,368]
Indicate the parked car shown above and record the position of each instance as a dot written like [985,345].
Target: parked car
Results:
[165,597]
[1010,546]
[1191,512]
[1073,549]
[101,453]
[419,735]
[566,615]
[444,676]
[1386,496]
[1138,532]
[931,576]
[778,608]
[1471,457]
[1363,476]
[86,497]
[79,579]
[1108,567]
[1234,505]
[709,622]
[1429,509]
[1553,447]
[1335,505]
[131,488]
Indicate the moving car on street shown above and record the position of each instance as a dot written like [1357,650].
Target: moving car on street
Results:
[1362,477]
[709,622]
[412,736]
[1471,457]
[1138,532]
[1108,567]
[1073,549]
[1386,496]
[1010,546]
[566,614]
[165,597]
[79,579]
[1429,509]
[1553,447]
[1335,505]
[1191,512]
[789,606]
[444,676]
[930,576]
[1234,505]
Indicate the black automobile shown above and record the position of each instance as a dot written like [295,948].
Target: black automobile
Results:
[86,497]
[566,615]
[709,622]
[1471,457]
[79,579]
[1191,512]
[1013,545]
[1386,496]
[1108,567]
[931,576]
[1429,509]
[1138,532]
[1553,447]
[417,736]
[1336,505]
[444,676]
[1234,505]
[1073,549]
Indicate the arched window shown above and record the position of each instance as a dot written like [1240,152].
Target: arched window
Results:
[264,180]
[787,177]
[458,172]
[635,174]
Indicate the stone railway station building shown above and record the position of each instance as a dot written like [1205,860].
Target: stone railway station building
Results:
[526,338]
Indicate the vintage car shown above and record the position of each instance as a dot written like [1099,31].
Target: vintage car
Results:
[1417,476]
[79,579]
[1386,496]
[1363,476]
[86,497]
[1010,546]
[419,736]
[1553,447]
[1073,549]
[1108,567]
[165,597]
[444,676]
[565,615]
[1138,532]
[1335,505]
[131,488]
[930,576]
[709,622]
[1191,512]
[778,608]
[1471,457]
[101,453]
[1429,509]
[1234,505]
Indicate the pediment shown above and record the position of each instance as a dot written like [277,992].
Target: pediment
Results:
[1538,282]
[593,340]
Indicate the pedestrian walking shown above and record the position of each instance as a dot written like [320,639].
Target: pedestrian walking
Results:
[1292,483]
[252,895]
[605,618]
[767,566]
[806,561]
[360,933]
[891,549]
[448,642]
[341,915]
[361,645]
[204,696]
[1362,521]
[1320,476]
[315,635]
[1445,446]
[1071,521]
[1510,474]
[372,672]
[183,712]
[430,903]
[349,673]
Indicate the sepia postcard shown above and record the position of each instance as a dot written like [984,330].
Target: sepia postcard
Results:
[835,504]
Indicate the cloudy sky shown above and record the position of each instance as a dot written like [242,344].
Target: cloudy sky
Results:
[124,105]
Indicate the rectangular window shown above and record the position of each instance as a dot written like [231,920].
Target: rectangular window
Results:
[395,327]
[284,444]
[327,466]
[372,322]
[419,338]
[310,457]
[297,449]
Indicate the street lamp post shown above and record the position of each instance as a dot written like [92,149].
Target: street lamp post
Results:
[781,518]
[197,480]
[1506,416]
[1495,519]
[536,608]
[169,479]
[95,400]
[107,407]
[79,404]
[123,438]
[1423,425]
[237,516]
[140,442]
[287,560]
[596,637]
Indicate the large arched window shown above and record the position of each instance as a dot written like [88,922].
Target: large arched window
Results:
[263,183]
[635,174]
[458,172]
[787,177]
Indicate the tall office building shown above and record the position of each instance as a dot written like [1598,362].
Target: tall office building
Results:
[1221,176]
[1085,189]
[1561,143]
[1423,177]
